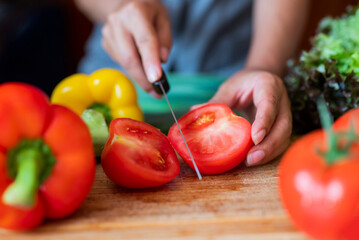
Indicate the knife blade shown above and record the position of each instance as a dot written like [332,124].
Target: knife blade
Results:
[162,87]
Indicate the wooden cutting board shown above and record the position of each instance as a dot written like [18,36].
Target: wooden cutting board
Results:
[240,204]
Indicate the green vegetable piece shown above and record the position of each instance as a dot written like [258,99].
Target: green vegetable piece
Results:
[98,129]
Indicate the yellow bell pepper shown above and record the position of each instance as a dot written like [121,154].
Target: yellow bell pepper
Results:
[107,90]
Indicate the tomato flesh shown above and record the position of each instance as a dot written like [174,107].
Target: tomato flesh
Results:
[138,155]
[218,139]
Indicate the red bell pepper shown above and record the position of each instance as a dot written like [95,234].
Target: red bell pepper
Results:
[47,163]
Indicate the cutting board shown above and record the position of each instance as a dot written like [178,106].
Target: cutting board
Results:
[241,204]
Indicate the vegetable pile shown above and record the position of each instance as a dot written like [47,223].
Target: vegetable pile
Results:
[47,160]
[330,69]
[98,98]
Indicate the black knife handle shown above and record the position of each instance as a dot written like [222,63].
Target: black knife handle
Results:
[163,80]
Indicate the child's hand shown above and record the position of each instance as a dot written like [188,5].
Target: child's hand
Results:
[262,98]
[138,36]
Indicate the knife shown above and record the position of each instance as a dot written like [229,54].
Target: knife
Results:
[162,87]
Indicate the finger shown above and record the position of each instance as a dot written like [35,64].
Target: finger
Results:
[276,141]
[147,42]
[121,47]
[235,92]
[266,101]
[163,28]
[224,95]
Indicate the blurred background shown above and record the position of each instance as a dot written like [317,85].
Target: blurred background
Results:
[42,41]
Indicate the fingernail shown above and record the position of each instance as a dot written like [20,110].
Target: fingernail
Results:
[164,54]
[155,95]
[259,137]
[153,74]
[254,158]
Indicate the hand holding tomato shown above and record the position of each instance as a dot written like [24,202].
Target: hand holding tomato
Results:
[262,98]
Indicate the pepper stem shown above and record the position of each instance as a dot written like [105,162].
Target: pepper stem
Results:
[104,110]
[22,192]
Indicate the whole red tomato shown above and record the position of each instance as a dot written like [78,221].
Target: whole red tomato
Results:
[321,191]
[138,155]
[348,120]
[218,139]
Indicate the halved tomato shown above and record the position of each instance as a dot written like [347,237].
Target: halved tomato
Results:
[218,139]
[138,155]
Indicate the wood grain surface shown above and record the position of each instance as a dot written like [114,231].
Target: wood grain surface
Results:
[241,204]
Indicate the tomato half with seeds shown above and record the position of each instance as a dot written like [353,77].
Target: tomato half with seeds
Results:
[138,155]
[218,139]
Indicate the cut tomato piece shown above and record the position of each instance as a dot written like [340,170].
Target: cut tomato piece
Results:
[218,139]
[138,155]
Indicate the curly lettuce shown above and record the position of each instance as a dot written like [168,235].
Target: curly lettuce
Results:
[337,39]
[330,69]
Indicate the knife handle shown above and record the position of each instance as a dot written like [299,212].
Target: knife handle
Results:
[164,82]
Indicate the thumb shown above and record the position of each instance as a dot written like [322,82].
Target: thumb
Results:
[223,95]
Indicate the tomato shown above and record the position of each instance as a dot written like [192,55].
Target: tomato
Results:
[350,118]
[218,139]
[321,197]
[138,155]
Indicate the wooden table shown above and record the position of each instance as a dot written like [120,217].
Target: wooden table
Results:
[240,204]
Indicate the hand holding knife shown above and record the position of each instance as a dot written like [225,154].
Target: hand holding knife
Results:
[162,87]
[140,50]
